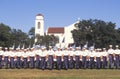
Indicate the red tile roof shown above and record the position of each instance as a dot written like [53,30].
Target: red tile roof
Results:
[39,14]
[56,30]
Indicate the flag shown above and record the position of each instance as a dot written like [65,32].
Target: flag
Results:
[13,46]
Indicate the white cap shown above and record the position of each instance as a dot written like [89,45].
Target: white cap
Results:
[17,48]
[11,48]
[116,46]
[50,46]
[104,48]
[110,45]
[5,47]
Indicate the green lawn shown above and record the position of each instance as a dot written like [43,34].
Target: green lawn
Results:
[59,74]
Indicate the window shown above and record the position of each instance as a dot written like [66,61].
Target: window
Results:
[38,25]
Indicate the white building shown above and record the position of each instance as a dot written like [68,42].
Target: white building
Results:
[63,33]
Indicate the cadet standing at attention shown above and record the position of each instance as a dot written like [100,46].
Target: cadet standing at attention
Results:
[43,56]
[1,56]
[111,57]
[32,57]
[65,58]
[38,51]
[84,58]
[25,59]
[50,58]
[58,54]
[92,58]
[71,58]
[77,58]
[104,58]
[117,57]
[12,58]
[6,57]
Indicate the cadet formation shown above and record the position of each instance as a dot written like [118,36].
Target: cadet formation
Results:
[67,58]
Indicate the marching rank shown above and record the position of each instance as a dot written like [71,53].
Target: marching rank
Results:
[61,58]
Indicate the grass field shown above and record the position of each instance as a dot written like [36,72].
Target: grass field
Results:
[59,74]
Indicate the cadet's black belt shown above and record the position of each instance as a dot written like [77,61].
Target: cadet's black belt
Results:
[110,54]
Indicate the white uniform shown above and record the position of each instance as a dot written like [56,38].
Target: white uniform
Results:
[1,53]
[58,53]
[12,54]
[110,51]
[25,55]
[77,53]
[19,54]
[98,54]
[117,51]
[92,54]
[85,53]
[37,52]
[104,53]
[65,52]
[32,53]
[43,54]
[6,53]
[50,52]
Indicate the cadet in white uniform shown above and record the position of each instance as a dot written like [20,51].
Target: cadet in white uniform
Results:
[117,57]
[77,58]
[32,57]
[65,58]
[98,58]
[92,57]
[84,58]
[43,56]
[1,56]
[6,57]
[25,59]
[71,58]
[58,54]
[38,51]
[19,57]
[50,58]
[111,57]
[104,58]
[12,58]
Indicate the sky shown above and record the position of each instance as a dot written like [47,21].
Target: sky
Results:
[20,14]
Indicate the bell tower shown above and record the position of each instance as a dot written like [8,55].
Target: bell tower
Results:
[39,25]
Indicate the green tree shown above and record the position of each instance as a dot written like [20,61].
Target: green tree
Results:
[96,32]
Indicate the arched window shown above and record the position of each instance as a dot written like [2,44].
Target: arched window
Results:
[38,25]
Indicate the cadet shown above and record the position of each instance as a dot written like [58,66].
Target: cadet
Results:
[84,57]
[12,57]
[71,58]
[25,59]
[77,58]
[65,58]
[58,54]
[111,57]
[98,58]
[6,56]
[50,57]
[38,51]
[117,58]
[43,58]
[104,58]
[92,58]
[18,61]
[31,57]
[1,55]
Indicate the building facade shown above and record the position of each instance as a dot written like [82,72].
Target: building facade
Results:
[62,33]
